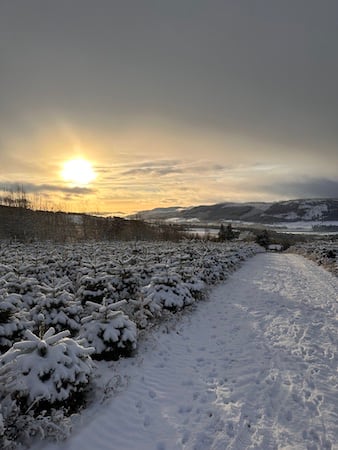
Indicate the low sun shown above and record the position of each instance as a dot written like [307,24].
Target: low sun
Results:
[78,171]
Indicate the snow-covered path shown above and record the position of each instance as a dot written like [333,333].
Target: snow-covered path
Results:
[253,367]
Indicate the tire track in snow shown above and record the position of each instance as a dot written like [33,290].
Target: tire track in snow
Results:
[253,367]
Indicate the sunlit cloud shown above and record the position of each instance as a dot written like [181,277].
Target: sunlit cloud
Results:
[153,171]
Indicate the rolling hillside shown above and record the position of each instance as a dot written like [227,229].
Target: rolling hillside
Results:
[283,211]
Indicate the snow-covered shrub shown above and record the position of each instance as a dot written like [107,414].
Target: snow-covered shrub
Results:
[13,321]
[211,272]
[193,282]
[29,289]
[126,282]
[11,282]
[5,269]
[58,307]
[43,373]
[19,430]
[95,288]
[109,331]
[323,252]
[20,284]
[5,442]
[144,272]
[144,310]
[169,291]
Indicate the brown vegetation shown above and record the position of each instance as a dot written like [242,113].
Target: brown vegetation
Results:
[25,225]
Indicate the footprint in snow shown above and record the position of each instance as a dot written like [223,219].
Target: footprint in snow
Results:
[146,421]
[185,437]
[139,406]
[152,394]
[288,416]
[230,429]
[184,409]
[187,383]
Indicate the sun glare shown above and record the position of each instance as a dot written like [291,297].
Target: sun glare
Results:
[78,171]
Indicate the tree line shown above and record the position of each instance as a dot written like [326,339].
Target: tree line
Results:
[14,197]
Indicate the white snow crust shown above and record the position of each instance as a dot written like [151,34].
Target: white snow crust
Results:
[252,367]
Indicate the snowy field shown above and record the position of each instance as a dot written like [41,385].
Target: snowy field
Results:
[252,367]
[300,227]
[308,225]
[66,308]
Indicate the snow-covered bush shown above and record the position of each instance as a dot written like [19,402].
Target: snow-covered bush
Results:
[20,284]
[18,431]
[43,373]
[58,307]
[95,288]
[13,321]
[323,252]
[168,291]
[193,282]
[126,281]
[144,310]
[29,289]
[109,331]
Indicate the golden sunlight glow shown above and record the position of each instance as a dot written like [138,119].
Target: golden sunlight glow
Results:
[79,172]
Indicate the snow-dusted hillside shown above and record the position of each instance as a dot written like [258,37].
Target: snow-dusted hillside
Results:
[283,211]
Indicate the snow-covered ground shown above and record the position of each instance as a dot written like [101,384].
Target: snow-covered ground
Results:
[298,227]
[252,367]
[305,226]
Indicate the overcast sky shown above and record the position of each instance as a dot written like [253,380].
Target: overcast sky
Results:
[178,102]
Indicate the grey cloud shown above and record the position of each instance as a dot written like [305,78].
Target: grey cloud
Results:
[219,167]
[153,163]
[265,69]
[316,187]
[30,188]
[156,171]
[158,166]
[168,167]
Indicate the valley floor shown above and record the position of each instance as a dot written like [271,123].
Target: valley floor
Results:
[253,367]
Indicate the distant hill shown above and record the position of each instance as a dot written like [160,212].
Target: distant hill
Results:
[283,211]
